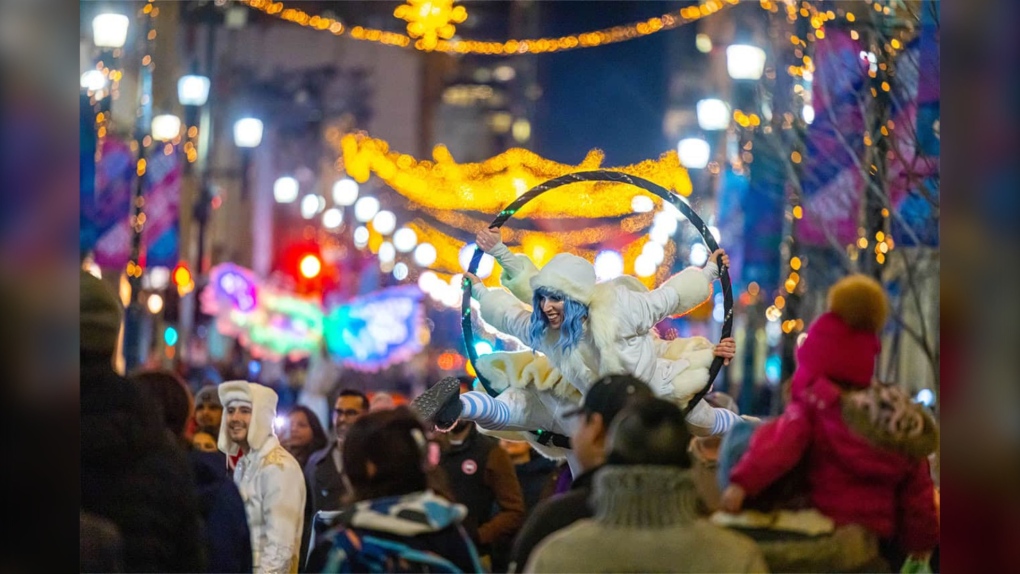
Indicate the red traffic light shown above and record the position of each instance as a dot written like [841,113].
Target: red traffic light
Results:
[310,266]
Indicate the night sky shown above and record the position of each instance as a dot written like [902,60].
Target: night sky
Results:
[611,97]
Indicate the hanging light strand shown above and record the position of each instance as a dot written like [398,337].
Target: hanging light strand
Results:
[511,47]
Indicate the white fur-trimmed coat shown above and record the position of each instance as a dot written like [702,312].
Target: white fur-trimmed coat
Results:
[619,335]
[269,479]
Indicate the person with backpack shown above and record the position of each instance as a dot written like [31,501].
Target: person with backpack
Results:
[396,523]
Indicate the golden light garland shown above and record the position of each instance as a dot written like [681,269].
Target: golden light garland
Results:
[446,192]
[587,236]
[511,47]
[489,186]
[134,267]
[883,243]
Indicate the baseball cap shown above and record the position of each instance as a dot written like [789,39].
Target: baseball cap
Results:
[610,394]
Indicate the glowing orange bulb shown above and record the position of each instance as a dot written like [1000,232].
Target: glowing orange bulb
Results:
[310,266]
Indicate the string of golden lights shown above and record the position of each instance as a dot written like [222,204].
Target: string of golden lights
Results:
[491,185]
[134,266]
[803,73]
[446,192]
[439,37]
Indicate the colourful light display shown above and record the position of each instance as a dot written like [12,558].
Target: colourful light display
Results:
[373,332]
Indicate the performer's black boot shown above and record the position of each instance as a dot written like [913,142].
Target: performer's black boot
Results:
[440,405]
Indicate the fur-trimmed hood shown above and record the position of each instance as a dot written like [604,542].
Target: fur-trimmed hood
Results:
[569,274]
[263,410]
[885,415]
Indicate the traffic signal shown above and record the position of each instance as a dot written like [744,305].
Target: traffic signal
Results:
[182,278]
[170,336]
[303,262]
[310,266]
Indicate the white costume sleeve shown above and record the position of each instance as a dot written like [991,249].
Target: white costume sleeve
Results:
[283,504]
[517,272]
[678,294]
[504,312]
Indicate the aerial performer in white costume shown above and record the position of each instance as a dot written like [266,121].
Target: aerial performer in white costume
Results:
[580,331]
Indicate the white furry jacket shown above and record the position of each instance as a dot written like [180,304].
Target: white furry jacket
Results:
[619,335]
[270,480]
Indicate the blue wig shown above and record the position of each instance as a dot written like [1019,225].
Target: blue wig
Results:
[572,328]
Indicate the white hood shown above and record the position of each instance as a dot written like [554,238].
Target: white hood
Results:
[263,410]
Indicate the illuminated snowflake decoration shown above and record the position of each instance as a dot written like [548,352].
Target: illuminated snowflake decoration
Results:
[431,20]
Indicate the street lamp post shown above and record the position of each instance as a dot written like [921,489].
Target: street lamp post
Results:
[247,137]
[745,64]
[134,311]
[193,90]
[109,34]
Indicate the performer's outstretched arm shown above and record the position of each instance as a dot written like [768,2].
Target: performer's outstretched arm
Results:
[678,294]
[517,269]
[501,310]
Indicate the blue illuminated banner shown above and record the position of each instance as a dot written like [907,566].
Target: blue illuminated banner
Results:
[375,331]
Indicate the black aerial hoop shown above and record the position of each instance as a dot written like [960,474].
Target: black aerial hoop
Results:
[615,177]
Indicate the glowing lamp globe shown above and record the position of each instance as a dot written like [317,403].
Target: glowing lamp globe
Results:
[365,209]
[405,239]
[744,62]
[93,80]
[425,254]
[310,266]
[165,127]
[713,114]
[694,153]
[110,30]
[384,222]
[285,189]
[193,90]
[248,132]
[345,192]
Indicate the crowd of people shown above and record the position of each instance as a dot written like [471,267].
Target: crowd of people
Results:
[220,481]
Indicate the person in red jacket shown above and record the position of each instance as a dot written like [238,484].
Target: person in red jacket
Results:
[864,444]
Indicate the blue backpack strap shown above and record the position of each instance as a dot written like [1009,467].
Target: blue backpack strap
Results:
[385,549]
[346,544]
[476,560]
